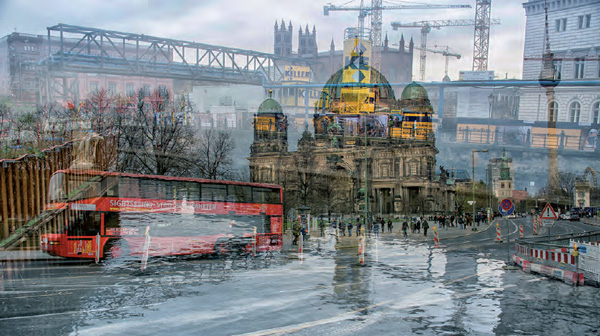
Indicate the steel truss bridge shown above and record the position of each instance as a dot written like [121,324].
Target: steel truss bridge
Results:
[74,49]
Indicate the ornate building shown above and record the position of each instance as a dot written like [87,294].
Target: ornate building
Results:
[366,146]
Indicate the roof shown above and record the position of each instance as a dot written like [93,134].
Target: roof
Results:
[270,105]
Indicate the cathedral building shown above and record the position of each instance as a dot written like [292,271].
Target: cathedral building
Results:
[367,148]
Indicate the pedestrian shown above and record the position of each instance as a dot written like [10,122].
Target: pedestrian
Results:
[418,226]
[425,227]
[303,232]
[322,227]
[342,227]
[376,229]
[405,228]
[296,233]
[390,225]
[349,228]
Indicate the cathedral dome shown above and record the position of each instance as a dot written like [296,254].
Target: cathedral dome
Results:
[414,91]
[332,92]
[270,105]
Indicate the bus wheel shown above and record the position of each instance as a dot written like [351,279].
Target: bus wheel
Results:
[115,248]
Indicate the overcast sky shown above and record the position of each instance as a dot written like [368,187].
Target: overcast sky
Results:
[249,24]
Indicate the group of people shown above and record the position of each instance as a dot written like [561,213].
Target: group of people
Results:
[460,221]
[415,225]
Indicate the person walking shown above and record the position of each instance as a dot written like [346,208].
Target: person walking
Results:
[349,228]
[296,233]
[405,228]
[322,227]
[425,227]
[418,226]
[376,229]
[342,227]
[390,225]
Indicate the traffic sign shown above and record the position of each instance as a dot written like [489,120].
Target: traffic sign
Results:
[506,207]
[548,212]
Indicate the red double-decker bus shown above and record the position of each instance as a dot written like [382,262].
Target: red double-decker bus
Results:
[107,214]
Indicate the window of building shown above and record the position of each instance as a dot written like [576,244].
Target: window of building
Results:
[557,69]
[596,113]
[502,185]
[561,25]
[112,89]
[579,68]
[93,87]
[574,112]
[584,21]
[129,90]
[552,111]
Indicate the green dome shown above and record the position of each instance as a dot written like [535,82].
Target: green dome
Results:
[270,105]
[414,91]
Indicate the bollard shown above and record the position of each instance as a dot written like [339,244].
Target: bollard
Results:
[300,248]
[520,231]
[498,235]
[97,259]
[435,238]
[254,242]
[535,221]
[146,249]
[361,246]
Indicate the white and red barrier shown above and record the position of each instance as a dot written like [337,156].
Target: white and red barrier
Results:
[498,235]
[535,225]
[436,239]
[573,278]
[520,231]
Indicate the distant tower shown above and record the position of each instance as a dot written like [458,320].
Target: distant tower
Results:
[282,39]
[307,42]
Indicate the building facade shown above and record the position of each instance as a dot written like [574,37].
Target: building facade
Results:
[356,156]
[500,176]
[575,46]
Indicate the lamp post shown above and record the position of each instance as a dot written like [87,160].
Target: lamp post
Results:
[473,166]
[491,102]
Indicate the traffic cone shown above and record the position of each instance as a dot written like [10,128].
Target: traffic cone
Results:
[535,222]
[435,238]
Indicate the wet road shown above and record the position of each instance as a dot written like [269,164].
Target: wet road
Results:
[406,287]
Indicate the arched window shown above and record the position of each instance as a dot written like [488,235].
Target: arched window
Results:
[552,110]
[502,185]
[574,112]
[596,113]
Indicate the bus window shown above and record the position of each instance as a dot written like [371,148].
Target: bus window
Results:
[84,223]
[129,188]
[264,195]
[214,192]
[110,185]
[242,193]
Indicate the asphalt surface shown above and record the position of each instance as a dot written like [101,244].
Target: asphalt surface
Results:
[406,286]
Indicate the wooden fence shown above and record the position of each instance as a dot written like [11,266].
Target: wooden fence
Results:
[24,185]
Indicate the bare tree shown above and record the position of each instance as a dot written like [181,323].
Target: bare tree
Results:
[213,154]
[154,139]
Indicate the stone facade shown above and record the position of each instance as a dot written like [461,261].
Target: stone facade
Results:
[575,44]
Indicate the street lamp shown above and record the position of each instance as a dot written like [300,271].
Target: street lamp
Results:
[491,101]
[473,166]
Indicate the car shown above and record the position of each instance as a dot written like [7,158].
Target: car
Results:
[564,216]
[512,215]
[574,217]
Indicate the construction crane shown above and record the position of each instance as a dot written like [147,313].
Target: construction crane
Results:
[444,51]
[481,40]
[426,27]
[375,10]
